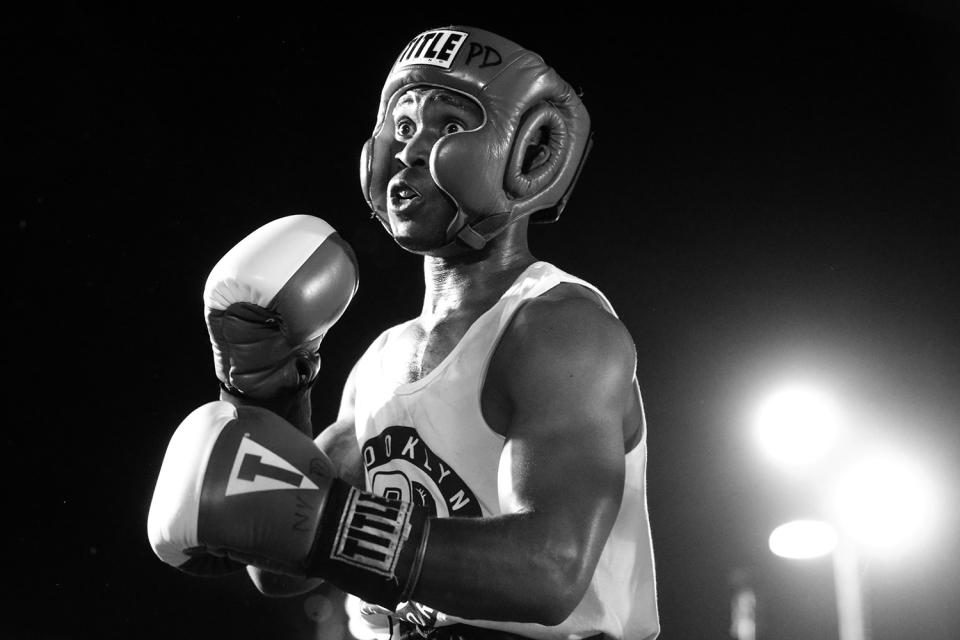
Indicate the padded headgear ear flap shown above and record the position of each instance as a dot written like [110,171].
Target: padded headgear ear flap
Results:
[542,126]
[522,161]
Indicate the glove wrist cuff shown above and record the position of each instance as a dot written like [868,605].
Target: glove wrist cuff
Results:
[370,546]
[295,407]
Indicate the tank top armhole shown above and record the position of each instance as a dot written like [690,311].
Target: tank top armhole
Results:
[547,278]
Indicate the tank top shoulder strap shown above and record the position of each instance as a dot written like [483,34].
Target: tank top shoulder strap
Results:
[536,280]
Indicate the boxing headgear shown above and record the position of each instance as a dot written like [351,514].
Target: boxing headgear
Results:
[483,170]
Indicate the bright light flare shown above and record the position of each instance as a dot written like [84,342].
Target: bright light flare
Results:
[365,626]
[797,425]
[803,539]
[887,502]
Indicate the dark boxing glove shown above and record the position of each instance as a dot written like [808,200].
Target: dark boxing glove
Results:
[239,485]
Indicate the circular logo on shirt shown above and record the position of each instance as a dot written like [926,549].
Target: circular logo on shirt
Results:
[400,466]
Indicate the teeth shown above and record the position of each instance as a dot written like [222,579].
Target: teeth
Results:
[404,192]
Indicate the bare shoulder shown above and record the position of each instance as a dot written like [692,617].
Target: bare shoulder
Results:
[569,322]
[564,347]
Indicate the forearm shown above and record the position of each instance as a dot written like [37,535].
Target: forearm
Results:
[279,585]
[515,567]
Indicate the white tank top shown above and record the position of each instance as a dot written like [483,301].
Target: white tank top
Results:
[426,441]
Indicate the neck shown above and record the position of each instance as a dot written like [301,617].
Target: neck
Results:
[475,278]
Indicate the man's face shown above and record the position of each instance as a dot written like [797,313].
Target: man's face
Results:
[418,211]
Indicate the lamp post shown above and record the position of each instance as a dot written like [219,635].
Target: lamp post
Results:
[795,426]
[807,539]
[880,499]
[846,577]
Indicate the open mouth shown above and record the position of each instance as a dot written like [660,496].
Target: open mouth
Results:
[402,194]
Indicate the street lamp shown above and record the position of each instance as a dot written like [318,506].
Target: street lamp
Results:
[886,502]
[879,500]
[797,424]
[803,539]
[807,539]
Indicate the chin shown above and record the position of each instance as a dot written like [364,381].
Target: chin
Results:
[422,233]
[418,244]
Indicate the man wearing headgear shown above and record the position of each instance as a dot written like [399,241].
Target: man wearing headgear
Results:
[509,409]
[485,477]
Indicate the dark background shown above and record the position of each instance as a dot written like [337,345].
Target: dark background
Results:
[772,193]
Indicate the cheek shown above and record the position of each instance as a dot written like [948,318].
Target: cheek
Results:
[433,211]
[426,228]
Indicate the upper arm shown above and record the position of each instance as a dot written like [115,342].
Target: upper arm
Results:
[560,389]
[567,390]
[339,440]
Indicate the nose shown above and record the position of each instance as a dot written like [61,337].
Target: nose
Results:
[415,152]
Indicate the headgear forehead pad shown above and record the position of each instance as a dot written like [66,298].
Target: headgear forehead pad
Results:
[484,170]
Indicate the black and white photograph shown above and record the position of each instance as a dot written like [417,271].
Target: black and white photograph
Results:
[484,322]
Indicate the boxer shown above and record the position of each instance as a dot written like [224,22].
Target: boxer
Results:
[485,477]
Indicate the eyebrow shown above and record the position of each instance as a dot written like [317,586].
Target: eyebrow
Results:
[443,96]
[451,99]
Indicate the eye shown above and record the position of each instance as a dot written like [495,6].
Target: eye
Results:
[453,127]
[404,129]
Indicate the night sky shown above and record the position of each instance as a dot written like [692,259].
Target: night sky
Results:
[772,194]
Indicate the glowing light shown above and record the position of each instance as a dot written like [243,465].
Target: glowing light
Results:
[365,626]
[802,539]
[887,502]
[797,425]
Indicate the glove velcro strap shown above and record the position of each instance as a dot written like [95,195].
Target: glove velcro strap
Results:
[370,546]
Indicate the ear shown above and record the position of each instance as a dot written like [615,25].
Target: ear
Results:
[535,156]
[539,149]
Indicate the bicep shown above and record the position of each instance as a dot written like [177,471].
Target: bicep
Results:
[570,381]
[339,441]
[559,402]
[563,473]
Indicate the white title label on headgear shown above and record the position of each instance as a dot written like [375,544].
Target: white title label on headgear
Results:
[437,48]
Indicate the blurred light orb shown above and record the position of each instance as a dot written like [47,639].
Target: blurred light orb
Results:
[887,502]
[797,425]
[803,539]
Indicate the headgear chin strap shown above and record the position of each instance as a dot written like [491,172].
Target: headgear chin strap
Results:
[485,171]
